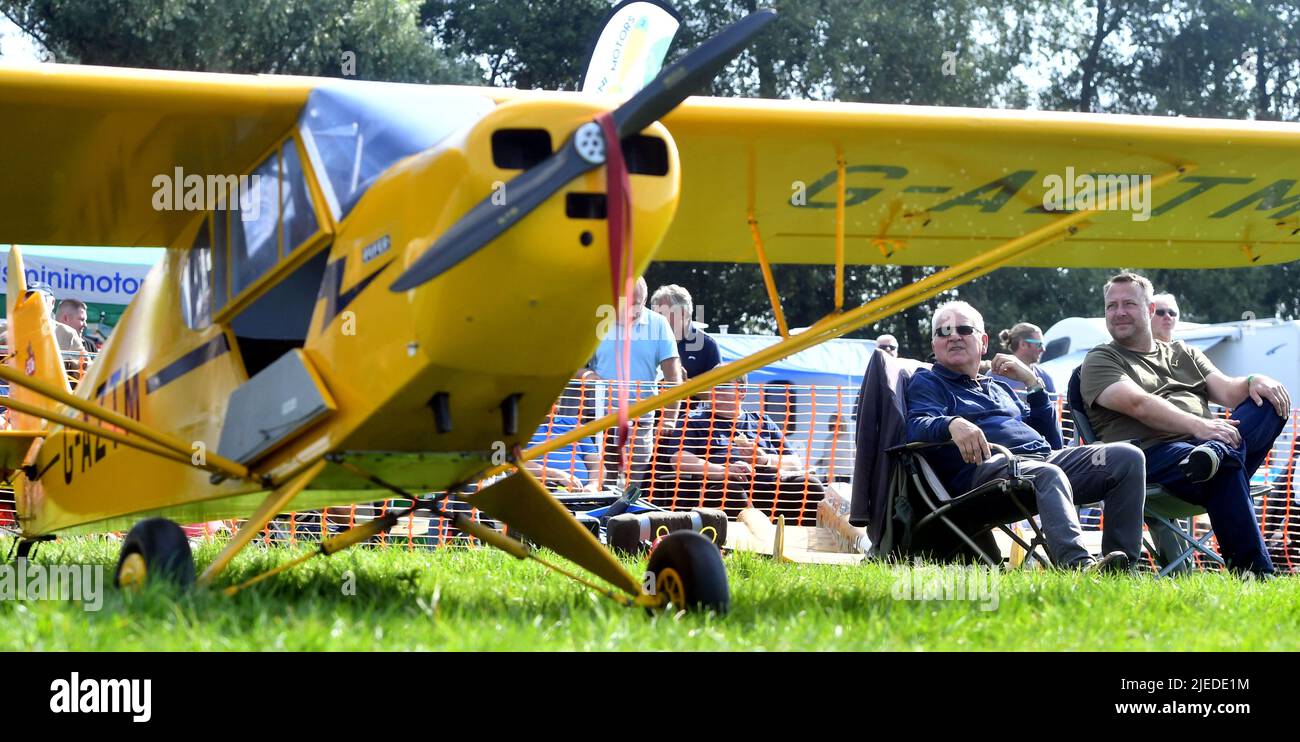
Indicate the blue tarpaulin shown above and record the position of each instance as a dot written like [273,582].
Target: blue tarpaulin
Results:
[839,362]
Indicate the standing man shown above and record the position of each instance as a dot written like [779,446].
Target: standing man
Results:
[72,312]
[653,352]
[698,352]
[889,344]
[952,402]
[1160,394]
[1166,317]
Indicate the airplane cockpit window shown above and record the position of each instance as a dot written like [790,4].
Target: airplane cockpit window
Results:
[295,201]
[254,226]
[196,288]
[356,130]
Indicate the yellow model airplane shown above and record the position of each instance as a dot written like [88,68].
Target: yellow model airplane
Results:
[415,272]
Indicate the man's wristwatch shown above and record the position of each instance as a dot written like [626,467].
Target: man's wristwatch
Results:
[1038,386]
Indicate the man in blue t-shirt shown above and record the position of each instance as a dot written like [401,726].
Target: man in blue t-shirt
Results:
[953,402]
[653,353]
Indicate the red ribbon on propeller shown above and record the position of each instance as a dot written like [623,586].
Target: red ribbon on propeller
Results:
[618,215]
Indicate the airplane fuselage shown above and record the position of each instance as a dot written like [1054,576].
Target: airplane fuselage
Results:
[418,380]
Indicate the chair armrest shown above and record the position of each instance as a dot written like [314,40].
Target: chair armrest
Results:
[916,446]
[1013,464]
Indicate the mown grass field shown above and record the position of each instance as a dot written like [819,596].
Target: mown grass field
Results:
[484,600]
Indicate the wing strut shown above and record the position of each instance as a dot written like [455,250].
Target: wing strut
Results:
[838,323]
[274,504]
[768,280]
[160,443]
[839,227]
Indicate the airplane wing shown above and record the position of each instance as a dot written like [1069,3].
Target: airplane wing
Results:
[82,145]
[933,186]
[923,185]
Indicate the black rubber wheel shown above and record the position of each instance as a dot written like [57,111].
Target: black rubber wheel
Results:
[155,550]
[687,571]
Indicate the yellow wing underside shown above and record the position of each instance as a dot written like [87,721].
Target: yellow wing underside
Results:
[934,186]
[84,144]
[922,186]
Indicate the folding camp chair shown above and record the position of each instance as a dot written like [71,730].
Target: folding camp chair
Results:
[899,498]
[930,521]
[1162,506]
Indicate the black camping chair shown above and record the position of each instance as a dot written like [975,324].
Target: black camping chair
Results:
[1173,545]
[932,522]
[897,495]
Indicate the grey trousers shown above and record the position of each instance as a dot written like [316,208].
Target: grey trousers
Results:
[1080,475]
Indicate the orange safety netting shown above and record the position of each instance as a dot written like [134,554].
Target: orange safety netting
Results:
[813,428]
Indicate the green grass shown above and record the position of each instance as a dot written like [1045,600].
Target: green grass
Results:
[484,600]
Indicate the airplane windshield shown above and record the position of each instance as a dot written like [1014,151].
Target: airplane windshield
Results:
[359,129]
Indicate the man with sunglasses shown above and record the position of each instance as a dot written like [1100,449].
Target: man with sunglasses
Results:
[889,344]
[1165,319]
[953,402]
[1159,394]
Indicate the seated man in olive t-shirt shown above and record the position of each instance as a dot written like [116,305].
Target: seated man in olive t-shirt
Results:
[1158,395]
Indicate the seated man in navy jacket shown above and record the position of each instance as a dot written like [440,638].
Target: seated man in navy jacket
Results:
[953,402]
[738,459]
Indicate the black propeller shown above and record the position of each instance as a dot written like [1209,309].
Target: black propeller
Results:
[583,151]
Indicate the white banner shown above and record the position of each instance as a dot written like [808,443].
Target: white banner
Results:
[631,48]
[87,280]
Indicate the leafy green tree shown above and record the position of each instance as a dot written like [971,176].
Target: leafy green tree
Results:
[925,53]
[525,44]
[307,37]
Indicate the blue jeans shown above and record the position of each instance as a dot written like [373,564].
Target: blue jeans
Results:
[1226,496]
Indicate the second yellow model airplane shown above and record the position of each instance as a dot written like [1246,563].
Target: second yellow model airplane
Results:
[408,276]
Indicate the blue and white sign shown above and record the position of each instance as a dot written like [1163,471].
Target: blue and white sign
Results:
[104,275]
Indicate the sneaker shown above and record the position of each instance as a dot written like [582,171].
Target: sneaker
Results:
[1116,561]
[1201,464]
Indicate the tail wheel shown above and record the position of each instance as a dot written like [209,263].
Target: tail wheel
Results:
[688,572]
[155,549]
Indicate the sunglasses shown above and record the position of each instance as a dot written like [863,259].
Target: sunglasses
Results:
[1166,313]
[887,347]
[1032,341]
[962,330]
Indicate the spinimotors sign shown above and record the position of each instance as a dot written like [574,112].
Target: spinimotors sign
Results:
[89,281]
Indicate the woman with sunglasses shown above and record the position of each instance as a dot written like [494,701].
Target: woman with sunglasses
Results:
[1025,341]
